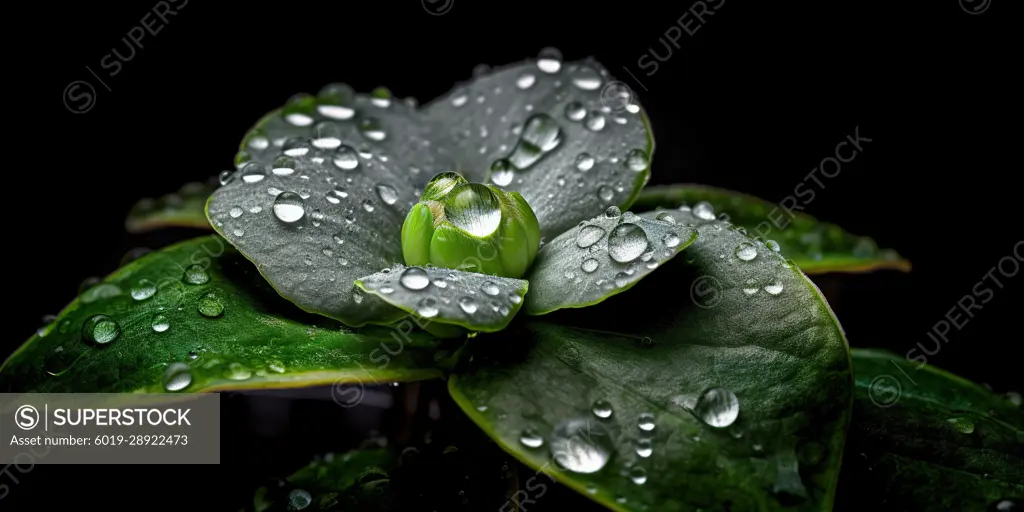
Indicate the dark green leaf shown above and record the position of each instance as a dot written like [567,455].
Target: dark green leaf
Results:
[603,257]
[477,302]
[186,208]
[356,480]
[198,317]
[924,439]
[567,136]
[648,377]
[815,246]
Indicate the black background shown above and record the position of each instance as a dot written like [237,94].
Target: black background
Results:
[752,101]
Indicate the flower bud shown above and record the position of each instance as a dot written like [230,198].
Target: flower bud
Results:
[470,227]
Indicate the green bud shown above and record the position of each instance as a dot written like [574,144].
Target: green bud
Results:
[471,227]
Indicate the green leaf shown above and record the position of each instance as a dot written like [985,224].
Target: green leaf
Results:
[477,302]
[186,208]
[816,247]
[650,378]
[603,257]
[197,316]
[356,480]
[357,161]
[930,440]
[567,136]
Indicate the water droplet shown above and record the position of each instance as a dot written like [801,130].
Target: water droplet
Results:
[299,499]
[645,421]
[638,475]
[644,448]
[586,79]
[335,102]
[773,245]
[589,235]
[346,158]
[1007,505]
[718,407]
[473,208]
[602,409]
[100,329]
[525,81]
[530,438]
[490,288]
[595,121]
[1015,398]
[502,172]
[612,212]
[541,134]
[427,307]
[372,129]
[380,97]
[704,210]
[581,445]
[746,251]
[177,377]
[387,194]
[751,286]
[575,111]
[589,265]
[253,173]
[211,305]
[414,278]
[160,323]
[637,160]
[774,287]
[289,207]
[584,162]
[670,240]
[514,298]
[469,305]
[626,242]
[605,193]
[549,60]
[666,217]
[143,289]
[225,177]
[460,100]
[962,425]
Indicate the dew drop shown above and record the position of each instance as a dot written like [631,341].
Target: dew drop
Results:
[372,129]
[380,97]
[211,305]
[549,60]
[646,422]
[237,371]
[751,287]
[644,447]
[289,207]
[427,307]
[525,81]
[100,329]
[666,217]
[605,193]
[773,245]
[586,79]
[774,287]
[575,111]
[638,475]
[299,499]
[502,172]
[627,242]
[746,251]
[460,100]
[253,173]
[514,298]
[637,160]
[589,235]
[474,209]
[584,162]
[540,135]
[177,377]
[195,274]
[414,278]
[602,409]
[704,210]
[160,323]
[530,438]
[718,407]
[490,288]
[962,425]
[468,304]
[612,212]
[595,121]
[346,158]
[589,265]
[581,445]
[143,289]
[670,240]
[387,194]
